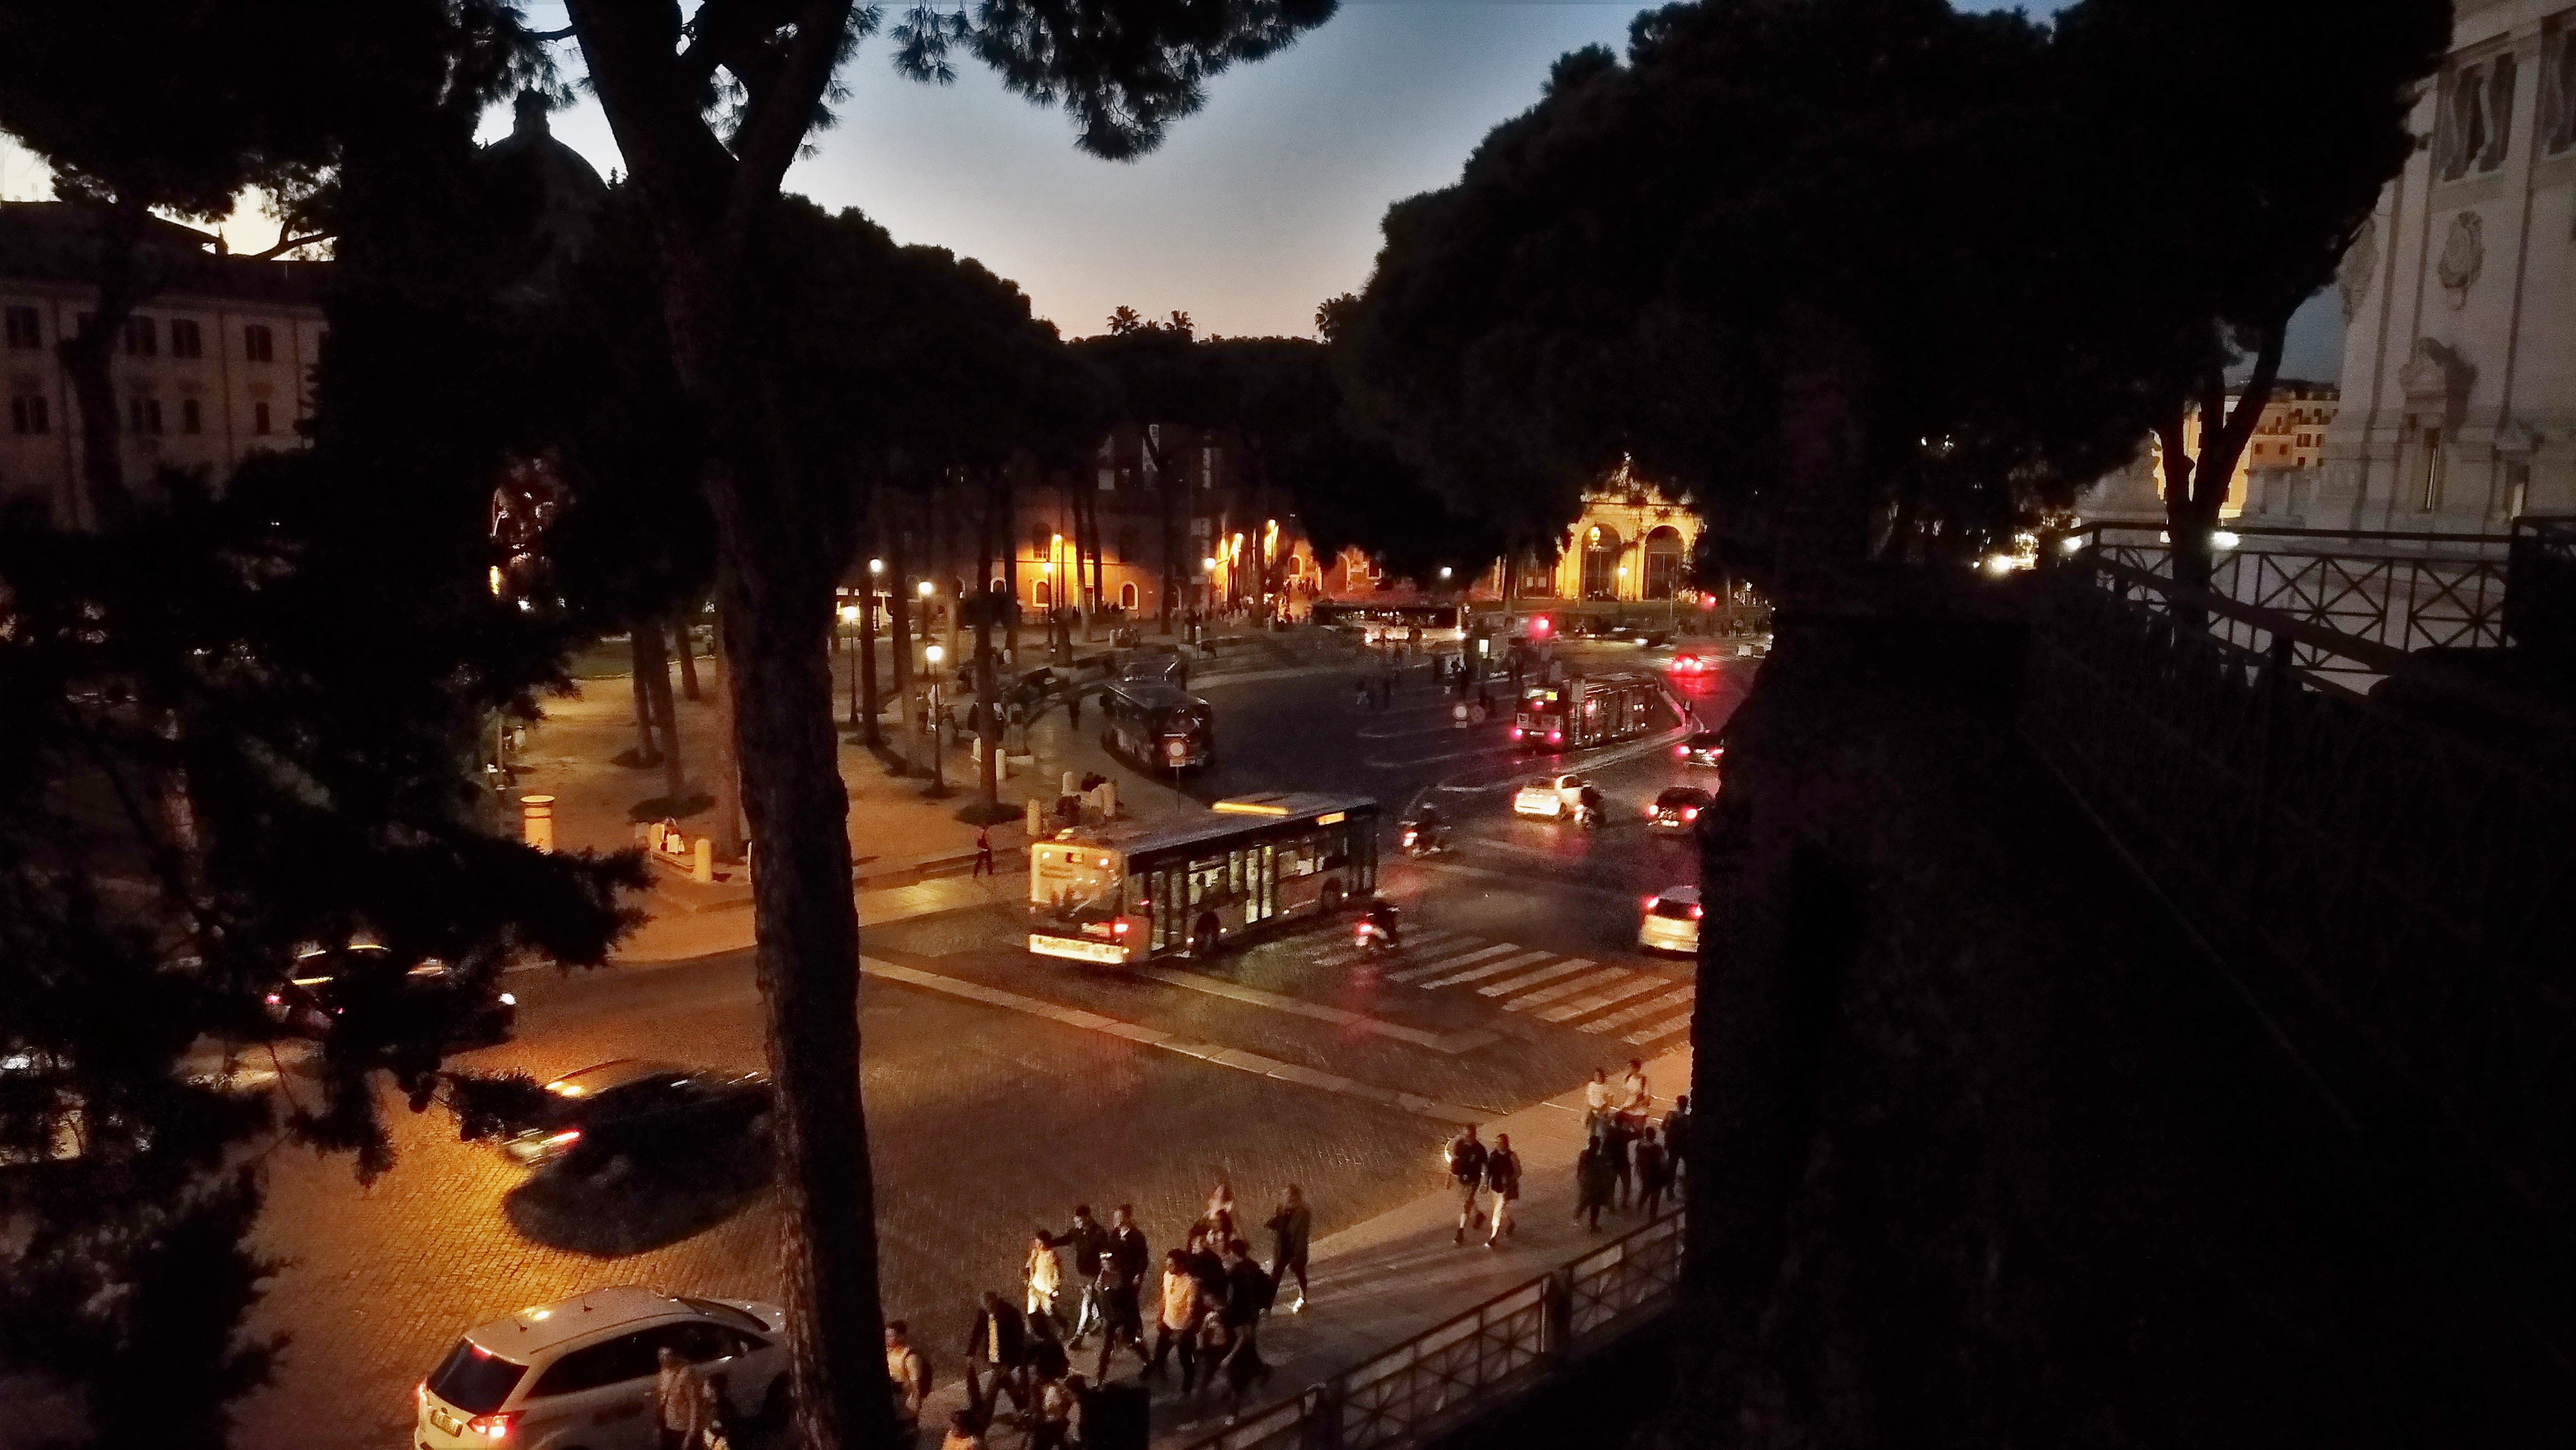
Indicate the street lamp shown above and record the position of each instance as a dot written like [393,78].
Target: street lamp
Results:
[849,614]
[1444,571]
[938,766]
[876,566]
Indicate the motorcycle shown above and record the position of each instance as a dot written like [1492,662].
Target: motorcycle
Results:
[1419,840]
[1375,938]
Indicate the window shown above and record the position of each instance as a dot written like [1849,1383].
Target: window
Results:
[2477,109]
[142,337]
[1040,596]
[1207,466]
[627,1357]
[26,328]
[1108,479]
[1127,546]
[1126,595]
[142,415]
[185,339]
[2432,495]
[259,417]
[2517,489]
[2558,85]
[27,414]
[190,419]
[258,346]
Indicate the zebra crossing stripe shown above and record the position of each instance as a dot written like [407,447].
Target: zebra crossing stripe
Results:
[1440,941]
[1647,1008]
[1561,990]
[1507,964]
[1412,973]
[1509,985]
[1655,1030]
[1594,1002]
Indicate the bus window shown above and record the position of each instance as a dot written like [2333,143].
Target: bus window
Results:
[1234,873]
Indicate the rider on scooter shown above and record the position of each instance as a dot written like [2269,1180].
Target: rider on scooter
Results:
[1383,919]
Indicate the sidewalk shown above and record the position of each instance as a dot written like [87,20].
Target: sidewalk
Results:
[1381,1282]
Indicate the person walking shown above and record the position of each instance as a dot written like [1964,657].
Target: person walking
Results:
[677,1406]
[1615,1140]
[1046,1359]
[1073,709]
[1636,1095]
[1654,1175]
[907,1375]
[1677,1131]
[983,853]
[1597,1097]
[1291,1225]
[1218,1221]
[996,1346]
[1086,1238]
[1503,1180]
[1120,1320]
[1467,1176]
[1176,1320]
[962,1433]
[1058,1400]
[1247,1293]
[1592,1184]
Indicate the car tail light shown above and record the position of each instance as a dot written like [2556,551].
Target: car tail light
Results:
[1694,911]
[492,1427]
[1681,752]
[1120,928]
[1650,813]
[1555,737]
[568,1135]
[1517,732]
[1650,902]
[1690,813]
[274,999]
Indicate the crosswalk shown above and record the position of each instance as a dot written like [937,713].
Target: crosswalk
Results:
[1642,1007]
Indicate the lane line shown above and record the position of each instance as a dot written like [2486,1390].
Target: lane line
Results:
[1472,974]
[1460,960]
[1213,1053]
[1647,1008]
[1657,1031]
[1615,992]
[1563,990]
[1509,985]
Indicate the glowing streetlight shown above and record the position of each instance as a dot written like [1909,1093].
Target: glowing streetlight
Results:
[1444,571]
[934,654]
[849,614]
[1208,564]
[928,589]
[876,566]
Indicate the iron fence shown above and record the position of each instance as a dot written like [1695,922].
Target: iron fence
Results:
[1479,1359]
[2540,597]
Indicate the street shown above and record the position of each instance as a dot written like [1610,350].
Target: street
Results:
[990,1115]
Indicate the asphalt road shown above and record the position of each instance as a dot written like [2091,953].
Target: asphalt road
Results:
[987,1121]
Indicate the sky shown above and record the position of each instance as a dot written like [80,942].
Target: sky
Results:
[1254,210]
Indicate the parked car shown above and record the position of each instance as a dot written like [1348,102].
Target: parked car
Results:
[324,985]
[640,1111]
[1670,921]
[1551,796]
[1677,808]
[1704,747]
[579,1372]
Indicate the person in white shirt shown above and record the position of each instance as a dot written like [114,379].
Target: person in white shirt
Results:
[1596,1101]
[1635,1097]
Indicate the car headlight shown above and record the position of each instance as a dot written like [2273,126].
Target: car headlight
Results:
[508,1000]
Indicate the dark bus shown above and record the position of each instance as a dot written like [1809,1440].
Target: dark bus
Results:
[1386,623]
[1587,710]
[1157,726]
[1127,893]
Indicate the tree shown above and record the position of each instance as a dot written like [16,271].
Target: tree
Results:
[1165,379]
[710,179]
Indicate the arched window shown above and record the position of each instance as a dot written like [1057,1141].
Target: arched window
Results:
[1664,562]
[1039,596]
[1600,562]
[1127,596]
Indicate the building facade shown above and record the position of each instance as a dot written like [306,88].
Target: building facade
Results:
[2277,474]
[2459,380]
[213,367]
[1631,542]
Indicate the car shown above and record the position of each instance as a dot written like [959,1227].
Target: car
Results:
[1704,747]
[1670,921]
[1677,808]
[1551,796]
[1690,662]
[322,985]
[638,1110]
[577,1374]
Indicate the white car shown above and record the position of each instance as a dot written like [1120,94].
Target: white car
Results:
[1551,796]
[578,1374]
[1670,921]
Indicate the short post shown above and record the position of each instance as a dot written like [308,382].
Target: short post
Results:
[702,861]
[537,821]
[1032,818]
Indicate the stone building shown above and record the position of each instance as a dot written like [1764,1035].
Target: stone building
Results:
[2276,475]
[214,366]
[2459,381]
[1631,542]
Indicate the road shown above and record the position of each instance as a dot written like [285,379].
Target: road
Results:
[986,1120]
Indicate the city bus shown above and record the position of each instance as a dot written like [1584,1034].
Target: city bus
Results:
[1129,893]
[1586,710]
[1156,725]
[1390,623]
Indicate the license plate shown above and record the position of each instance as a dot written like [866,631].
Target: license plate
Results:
[444,1422]
[1076,949]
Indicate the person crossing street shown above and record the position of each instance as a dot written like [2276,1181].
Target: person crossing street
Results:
[1503,1180]
[1467,1175]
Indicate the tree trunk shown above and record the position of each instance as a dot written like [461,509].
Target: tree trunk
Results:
[899,616]
[684,640]
[731,842]
[641,647]
[870,706]
[1172,572]
[988,730]
[666,715]
[1011,569]
[89,356]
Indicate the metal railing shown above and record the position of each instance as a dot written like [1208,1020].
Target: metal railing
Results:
[1477,1360]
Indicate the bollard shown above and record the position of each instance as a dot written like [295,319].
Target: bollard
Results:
[702,861]
[1033,818]
[1069,784]
[1109,800]
[537,821]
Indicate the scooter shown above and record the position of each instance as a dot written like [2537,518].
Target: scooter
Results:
[1375,940]
[1418,840]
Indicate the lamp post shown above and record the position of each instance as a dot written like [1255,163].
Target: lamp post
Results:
[938,766]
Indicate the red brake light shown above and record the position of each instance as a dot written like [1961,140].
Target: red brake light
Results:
[1555,736]
[1120,928]
[1694,911]
[568,1135]
[1681,751]
[1650,902]
[492,1426]
[1516,734]
[1690,813]
[274,999]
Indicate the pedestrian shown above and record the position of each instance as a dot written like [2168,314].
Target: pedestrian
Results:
[1597,1098]
[1044,1275]
[1291,1226]
[1073,709]
[1592,1184]
[1485,700]
[962,1433]
[907,1374]
[1046,1358]
[1052,1427]
[983,853]
[1677,1132]
[1467,1175]
[1219,1218]
[1120,1320]
[713,1434]
[1654,1174]
[1176,1319]
[1360,693]
[1206,1265]
[1086,1238]
[1247,1294]
[1215,1339]
[677,1406]
[1614,1141]
[996,1346]
[1503,1180]
[1636,1096]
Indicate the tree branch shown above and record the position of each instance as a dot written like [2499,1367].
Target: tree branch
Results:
[779,120]
[288,244]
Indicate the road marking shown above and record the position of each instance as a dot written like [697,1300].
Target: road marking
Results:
[1648,1008]
[1507,964]
[1452,1043]
[1615,992]
[1655,1031]
[1213,1053]
[1561,990]
[1509,985]
[1460,960]
[1437,941]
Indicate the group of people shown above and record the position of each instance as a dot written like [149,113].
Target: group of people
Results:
[1627,1158]
[1094,1278]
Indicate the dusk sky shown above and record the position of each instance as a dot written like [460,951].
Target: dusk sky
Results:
[1260,206]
